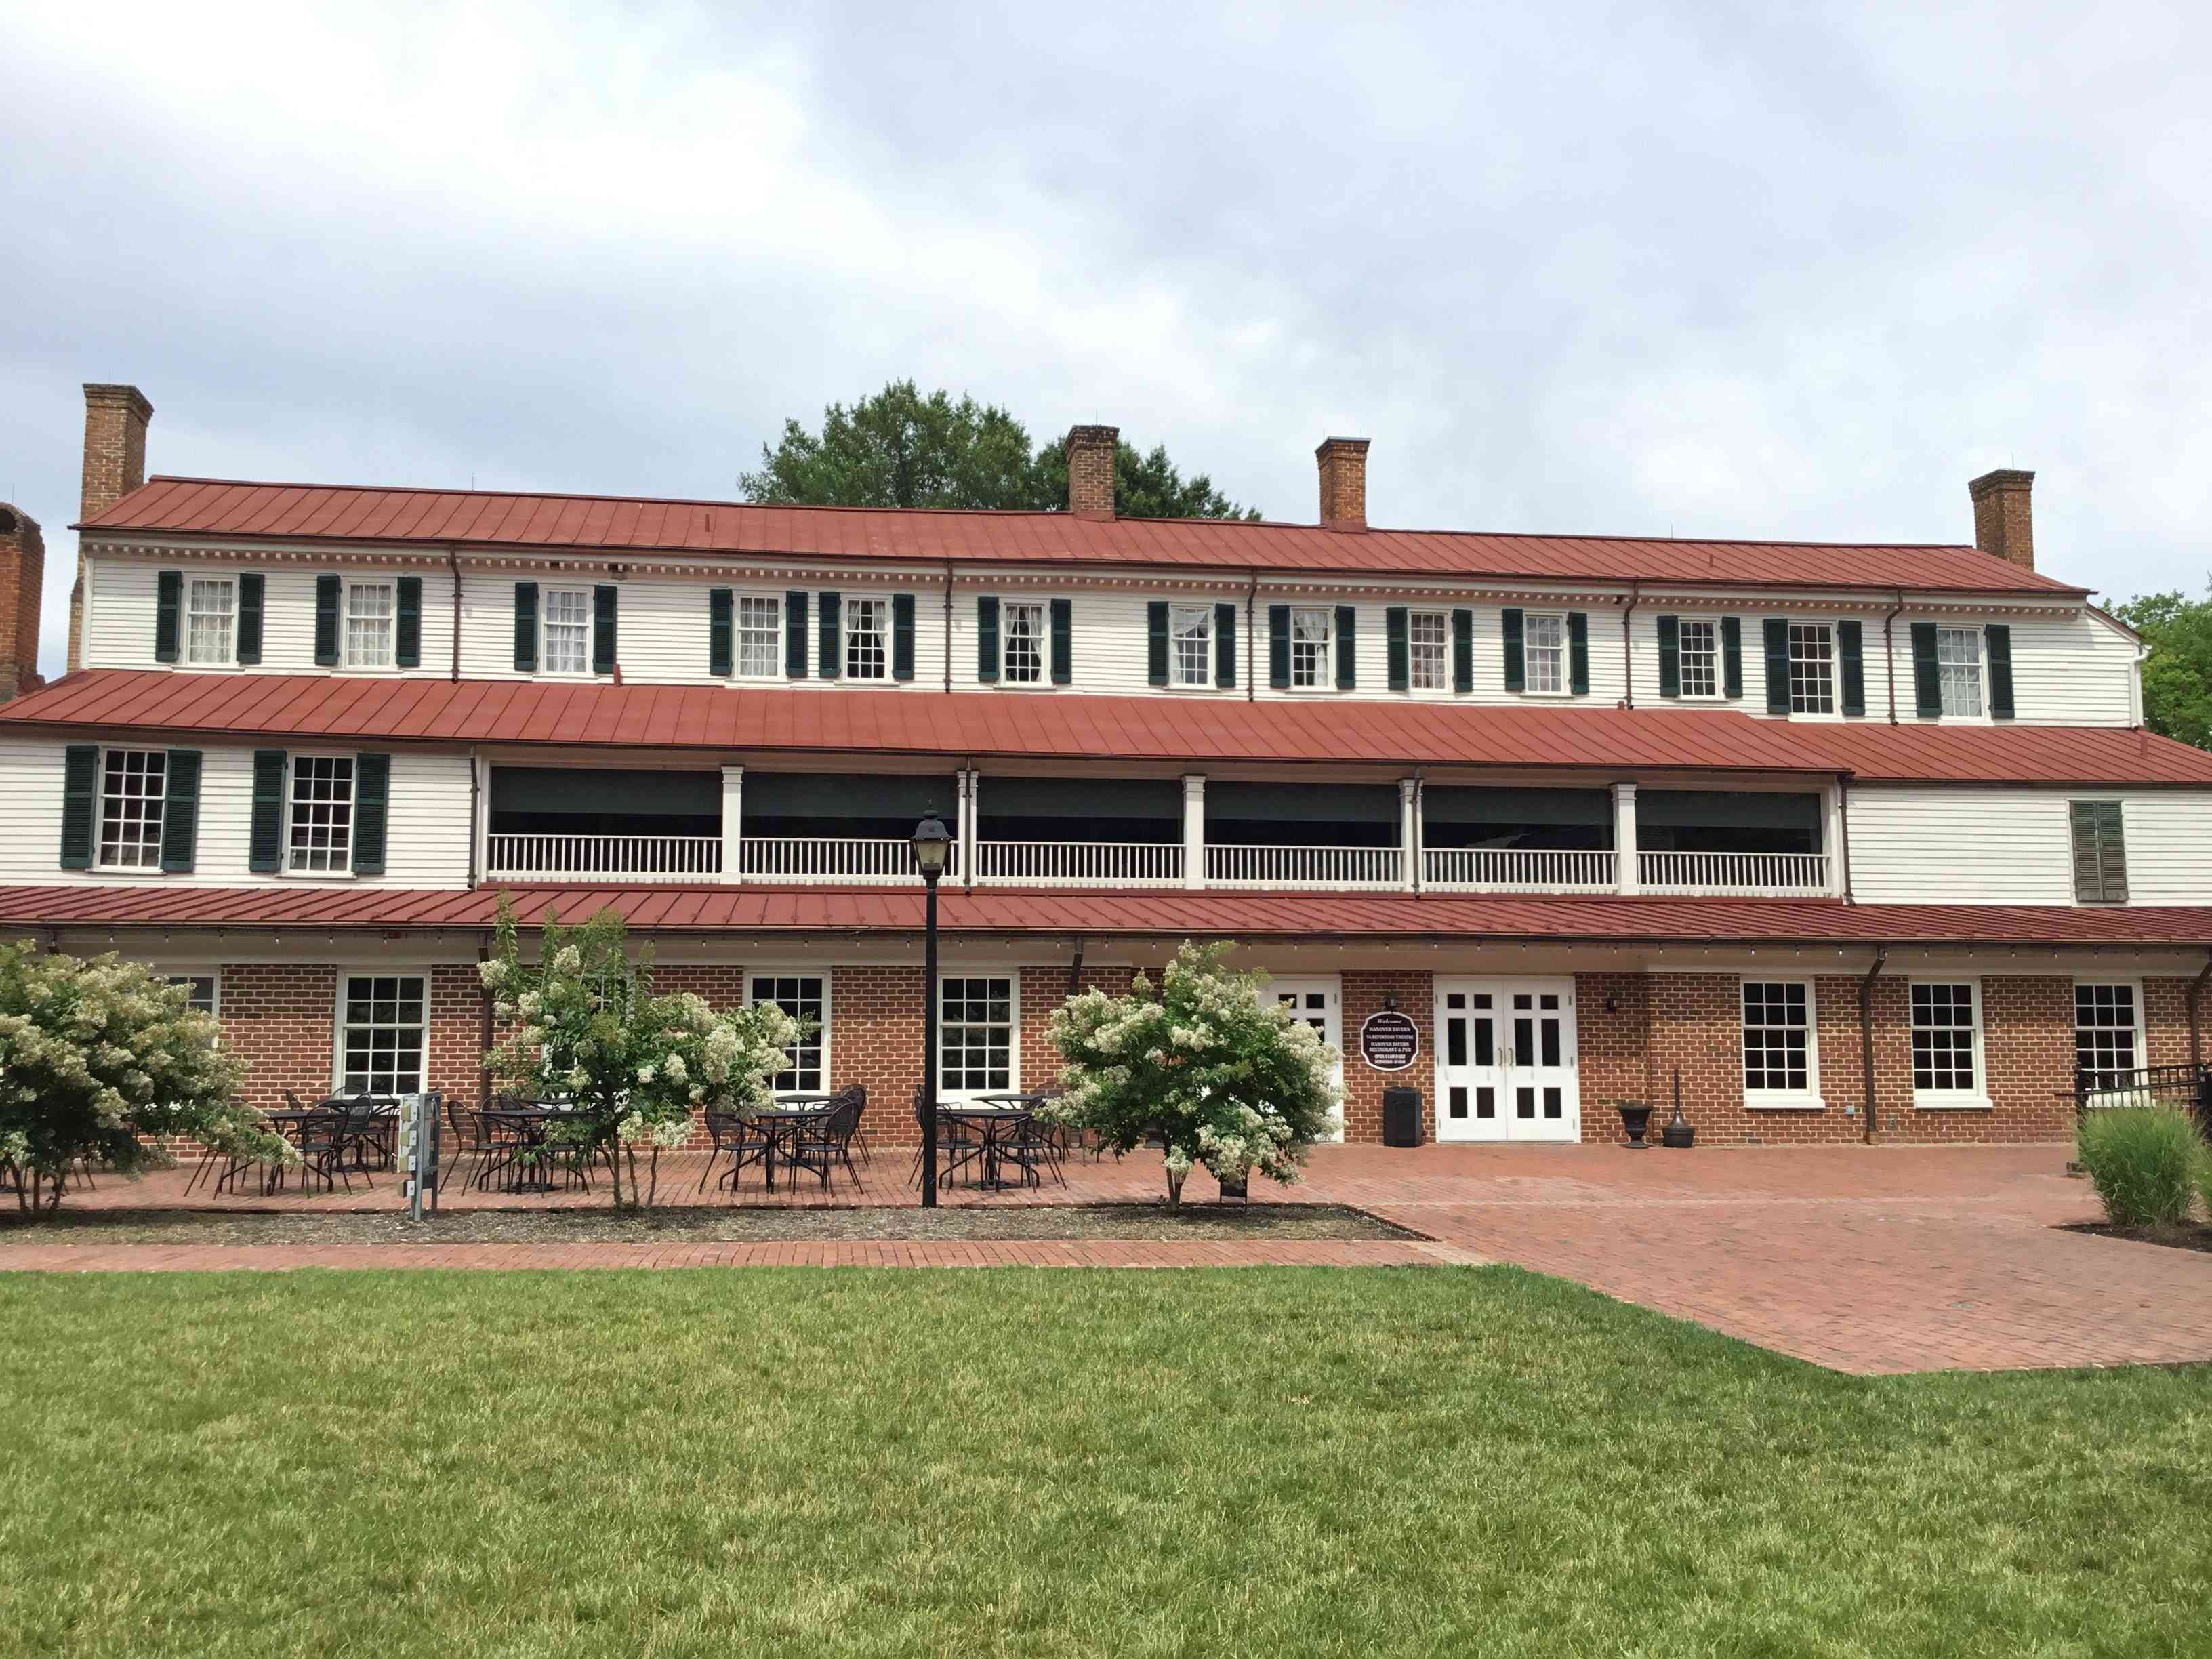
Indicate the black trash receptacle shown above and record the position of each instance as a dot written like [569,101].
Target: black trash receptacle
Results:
[1402,1117]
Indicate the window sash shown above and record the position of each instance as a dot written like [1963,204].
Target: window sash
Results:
[568,645]
[321,815]
[1021,643]
[1428,648]
[1812,668]
[2107,1031]
[759,637]
[803,996]
[1947,1037]
[210,619]
[383,1025]
[1959,672]
[1777,1037]
[1544,651]
[371,608]
[867,639]
[1192,627]
[205,993]
[975,1035]
[133,788]
[1697,657]
[1309,648]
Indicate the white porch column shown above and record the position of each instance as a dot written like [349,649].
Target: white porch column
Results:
[1193,830]
[1831,836]
[971,788]
[1627,869]
[480,832]
[1409,834]
[733,820]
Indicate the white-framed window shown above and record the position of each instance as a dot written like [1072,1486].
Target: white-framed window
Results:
[1781,1043]
[568,614]
[1697,656]
[1812,668]
[1959,672]
[977,1015]
[321,815]
[2108,1039]
[1309,648]
[211,620]
[1947,1043]
[1428,650]
[867,639]
[1544,651]
[370,610]
[133,785]
[760,637]
[383,1027]
[1191,628]
[803,997]
[1022,642]
[205,992]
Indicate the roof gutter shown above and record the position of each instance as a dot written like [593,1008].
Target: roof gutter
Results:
[1866,1039]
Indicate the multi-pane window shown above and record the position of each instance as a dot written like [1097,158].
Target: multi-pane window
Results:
[132,782]
[1958,670]
[568,630]
[2105,1041]
[867,639]
[1778,1036]
[1812,668]
[1946,1038]
[1192,627]
[1697,656]
[322,812]
[1310,647]
[380,1034]
[1022,643]
[805,997]
[760,637]
[1544,647]
[210,619]
[1428,636]
[976,1036]
[200,990]
[369,616]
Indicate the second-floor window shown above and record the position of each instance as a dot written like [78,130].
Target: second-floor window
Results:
[568,630]
[369,618]
[211,620]
[1700,656]
[1544,641]
[1428,644]
[867,639]
[1193,626]
[1812,668]
[321,822]
[1309,648]
[1022,650]
[1959,670]
[133,783]
[760,637]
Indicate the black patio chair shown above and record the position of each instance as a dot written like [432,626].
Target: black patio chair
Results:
[825,1141]
[470,1139]
[958,1144]
[738,1139]
[1032,1145]
[326,1141]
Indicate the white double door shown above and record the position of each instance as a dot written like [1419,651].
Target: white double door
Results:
[1320,1003]
[1505,1061]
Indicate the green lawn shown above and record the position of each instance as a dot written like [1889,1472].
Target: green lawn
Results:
[1281,1462]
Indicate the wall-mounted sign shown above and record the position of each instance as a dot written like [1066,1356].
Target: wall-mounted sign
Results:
[1388,1040]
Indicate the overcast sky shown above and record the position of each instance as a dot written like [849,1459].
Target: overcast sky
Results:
[1716,270]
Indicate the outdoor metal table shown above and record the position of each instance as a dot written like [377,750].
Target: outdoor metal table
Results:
[287,1120]
[527,1126]
[792,1113]
[993,1123]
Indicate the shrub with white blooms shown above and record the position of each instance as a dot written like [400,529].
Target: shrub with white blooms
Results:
[1219,1073]
[587,1026]
[95,1054]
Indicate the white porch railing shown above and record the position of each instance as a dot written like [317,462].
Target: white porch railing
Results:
[1751,875]
[1079,864]
[652,858]
[1517,870]
[826,859]
[1319,867]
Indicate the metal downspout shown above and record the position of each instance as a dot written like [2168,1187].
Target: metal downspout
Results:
[1252,639]
[948,625]
[2196,1012]
[1865,1037]
[454,559]
[1075,967]
[1889,653]
[1628,649]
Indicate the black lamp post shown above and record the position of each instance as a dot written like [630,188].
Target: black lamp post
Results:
[933,846]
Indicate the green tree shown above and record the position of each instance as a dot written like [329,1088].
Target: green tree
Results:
[900,448]
[2178,673]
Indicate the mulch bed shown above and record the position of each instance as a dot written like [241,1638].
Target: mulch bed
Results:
[1145,1222]
[2186,1236]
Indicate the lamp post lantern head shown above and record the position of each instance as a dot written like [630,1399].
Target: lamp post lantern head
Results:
[933,847]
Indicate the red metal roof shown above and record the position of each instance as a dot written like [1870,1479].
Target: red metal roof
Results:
[2011,754]
[488,520]
[1388,916]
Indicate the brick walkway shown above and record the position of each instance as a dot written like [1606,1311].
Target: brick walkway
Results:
[1888,1259]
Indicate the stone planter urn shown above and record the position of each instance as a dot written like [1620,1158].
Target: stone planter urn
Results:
[1636,1118]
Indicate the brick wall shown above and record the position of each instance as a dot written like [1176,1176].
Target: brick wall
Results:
[2028,1042]
[282,1018]
[1614,1049]
[2166,1021]
[1363,995]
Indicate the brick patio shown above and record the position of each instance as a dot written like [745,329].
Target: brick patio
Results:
[1869,1261]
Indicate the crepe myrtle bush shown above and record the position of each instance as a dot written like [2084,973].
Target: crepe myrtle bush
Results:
[585,1026]
[1221,1074]
[95,1054]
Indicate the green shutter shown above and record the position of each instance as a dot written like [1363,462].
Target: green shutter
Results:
[794,635]
[1462,651]
[407,634]
[1516,664]
[1670,656]
[265,841]
[1224,646]
[372,797]
[1156,642]
[721,632]
[1926,677]
[604,655]
[1997,637]
[168,603]
[987,641]
[250,599]
[1279,647]
[1578,651]
[1348,649]
[180,811]
[829,636]
[80,796]
[1777,629]
[902,636]
[1850,646]
[328,590]
[2100,857]
[525,627]
[1731,656]
[1063,642]
[1397,651]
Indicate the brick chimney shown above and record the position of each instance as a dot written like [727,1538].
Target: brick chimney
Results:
[115,418]
[1090,451]
[1343,482]
[2002,524]
[22,587]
